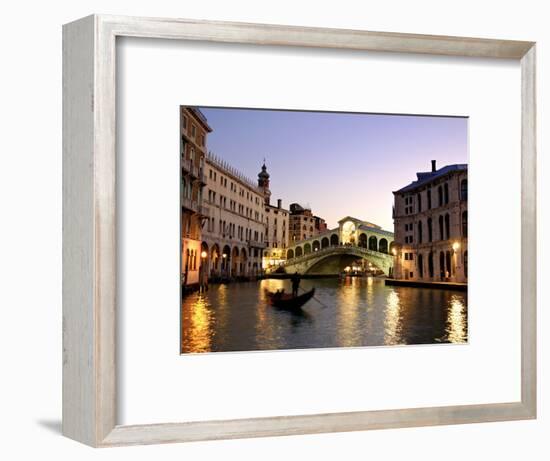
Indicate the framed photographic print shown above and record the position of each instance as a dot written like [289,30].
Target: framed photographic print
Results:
[311,275]
[274,230]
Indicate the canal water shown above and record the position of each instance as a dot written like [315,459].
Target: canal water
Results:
[351,312]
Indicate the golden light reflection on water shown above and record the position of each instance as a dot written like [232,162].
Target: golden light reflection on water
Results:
[344,313]
[196,327]
[348,312]
[265,328]
[457,325]
[392,321]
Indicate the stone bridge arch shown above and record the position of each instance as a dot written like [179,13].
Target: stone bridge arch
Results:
[330,260]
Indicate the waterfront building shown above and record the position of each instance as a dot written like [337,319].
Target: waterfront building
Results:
[320,225]
[303,224]
[276,226]
[233,235]
[193,133]
[431,226]
[276,235]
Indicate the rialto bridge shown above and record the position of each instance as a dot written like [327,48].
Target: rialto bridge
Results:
[331,251]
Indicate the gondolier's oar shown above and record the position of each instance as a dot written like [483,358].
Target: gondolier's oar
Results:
[314,297]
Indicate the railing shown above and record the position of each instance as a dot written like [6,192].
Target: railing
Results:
[335,249]
[190,204]
[203,210]
[192,170]
[256,244]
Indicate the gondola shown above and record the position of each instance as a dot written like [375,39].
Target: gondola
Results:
[287,301]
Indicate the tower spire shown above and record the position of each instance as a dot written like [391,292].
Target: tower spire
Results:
[263,183]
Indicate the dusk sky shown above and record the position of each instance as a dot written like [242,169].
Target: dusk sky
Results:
[338,164]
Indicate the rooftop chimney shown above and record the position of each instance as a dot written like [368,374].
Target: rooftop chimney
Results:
[433,166]
[279,203]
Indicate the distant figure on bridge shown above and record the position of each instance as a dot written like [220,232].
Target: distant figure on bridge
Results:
[295,279]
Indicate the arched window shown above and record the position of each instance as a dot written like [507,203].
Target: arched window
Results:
[383,246]
[304,228]
[373,243]
[429,194]
[440,196]
[446,189]
[363,240]
[465,223]
[447,226]
[307,248]
[334,240]
[442,265]
[316,245]
[419,202]
[448,264]
[324,242]
[298,251]
[464,190]
[289,254]
[466,264]
[419,231]
[430,230]
[420,261]
[431,264]
[441,235]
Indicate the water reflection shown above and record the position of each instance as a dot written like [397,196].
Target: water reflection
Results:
[196,325]
[349,313]
[457,326]
[392,319]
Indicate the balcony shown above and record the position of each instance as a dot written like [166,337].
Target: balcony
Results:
[204,211]
[190,169]
[256,244]
[190,204]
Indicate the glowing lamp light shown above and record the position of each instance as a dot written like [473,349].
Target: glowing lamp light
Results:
[203,255]
[347,269]
[394,251]
[456,246]
[224,256]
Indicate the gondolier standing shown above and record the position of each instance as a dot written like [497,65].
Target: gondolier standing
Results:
[295,283]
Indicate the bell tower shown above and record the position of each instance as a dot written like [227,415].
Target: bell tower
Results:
[263,183]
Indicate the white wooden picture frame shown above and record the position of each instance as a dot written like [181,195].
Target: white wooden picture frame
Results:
[89,232]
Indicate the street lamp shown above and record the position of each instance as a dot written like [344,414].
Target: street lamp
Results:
[203,273]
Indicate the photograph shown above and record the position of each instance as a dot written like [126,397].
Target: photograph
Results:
[312,229]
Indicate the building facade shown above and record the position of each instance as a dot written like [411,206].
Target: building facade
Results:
[431,226]
[194,130]
[234,232]
[276,235]
[229,228]
[276,226]
[303,224]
